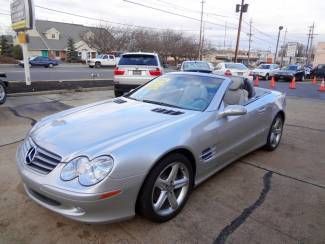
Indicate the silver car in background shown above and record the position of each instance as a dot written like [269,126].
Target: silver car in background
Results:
[146,151]
[135,69]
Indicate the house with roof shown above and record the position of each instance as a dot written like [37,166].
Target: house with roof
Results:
[50,39]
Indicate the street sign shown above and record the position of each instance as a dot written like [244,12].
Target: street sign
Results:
[292,49]
[22,15]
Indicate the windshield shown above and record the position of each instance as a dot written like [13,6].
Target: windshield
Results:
[138,59]
[291,67]
[264,66]
[187,66]
[235,66]
[100,56]
[185,91]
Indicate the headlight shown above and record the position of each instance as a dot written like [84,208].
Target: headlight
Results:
[88,172]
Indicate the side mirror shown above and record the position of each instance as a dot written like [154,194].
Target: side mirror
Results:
[233,110]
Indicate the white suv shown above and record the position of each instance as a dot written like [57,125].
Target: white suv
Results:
[135,69]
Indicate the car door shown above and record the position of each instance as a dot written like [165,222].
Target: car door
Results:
[233,136]
[111,60]
[105,61]
[36,61]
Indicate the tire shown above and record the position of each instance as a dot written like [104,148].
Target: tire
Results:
[118,93]
[275,133]
[267,77]
[3,93]
[159,184]
[97,65]
[51,66]
[302,78]
[90,66]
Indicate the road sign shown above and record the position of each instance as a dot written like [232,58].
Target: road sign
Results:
[292,49]
[22,15]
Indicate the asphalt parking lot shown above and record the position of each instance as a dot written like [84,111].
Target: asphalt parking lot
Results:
[276,197]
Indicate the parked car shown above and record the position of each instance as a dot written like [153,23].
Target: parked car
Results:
[233,69]
[265,71]
[40,61]
[290,71]
[318,71]
[135,69]
[146,151]
[3,88]
[196,66]
[103,60]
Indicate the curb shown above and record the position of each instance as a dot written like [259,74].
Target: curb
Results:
[21,94]
[41,86]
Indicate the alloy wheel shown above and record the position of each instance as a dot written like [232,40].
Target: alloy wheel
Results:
[2,92]
[170,189]
[276,132]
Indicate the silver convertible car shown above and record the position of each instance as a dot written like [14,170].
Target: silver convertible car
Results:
[146,151]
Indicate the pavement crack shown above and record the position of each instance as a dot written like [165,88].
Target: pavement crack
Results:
[305,127]
[11,143]
[229,229]
[17,114]
[281,174]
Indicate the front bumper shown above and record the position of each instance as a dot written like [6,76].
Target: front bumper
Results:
[84,206]
[283,76]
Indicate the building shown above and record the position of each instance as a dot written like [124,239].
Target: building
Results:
[319,54]
[50,39]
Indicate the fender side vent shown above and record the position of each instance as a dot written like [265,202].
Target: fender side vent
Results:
[166,111]
[208,154]
[119,101]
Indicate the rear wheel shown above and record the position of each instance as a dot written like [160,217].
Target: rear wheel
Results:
[3,94]
[267,77]
[166,189]
[275,133]
[50,65]
[97,65]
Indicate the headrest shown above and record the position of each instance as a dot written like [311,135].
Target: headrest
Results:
[237,83]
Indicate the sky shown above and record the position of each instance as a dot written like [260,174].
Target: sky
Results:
[266,16]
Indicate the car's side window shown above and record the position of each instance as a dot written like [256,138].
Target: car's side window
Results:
[218,67]
[111,56]
[105,57]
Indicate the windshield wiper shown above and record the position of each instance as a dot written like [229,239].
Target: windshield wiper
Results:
[161,103]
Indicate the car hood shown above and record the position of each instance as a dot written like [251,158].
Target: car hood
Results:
[261,70]
[105,123]
[285,72]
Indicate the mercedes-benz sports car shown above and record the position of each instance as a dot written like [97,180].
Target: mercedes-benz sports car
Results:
[145,152]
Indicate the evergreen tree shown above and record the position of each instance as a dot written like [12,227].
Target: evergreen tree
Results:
[72,54]
[6,49]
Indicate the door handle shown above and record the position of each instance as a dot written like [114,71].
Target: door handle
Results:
[262,109]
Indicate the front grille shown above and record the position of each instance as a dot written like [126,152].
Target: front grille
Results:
[40,159]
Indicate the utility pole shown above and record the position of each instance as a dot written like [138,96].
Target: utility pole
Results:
[307,47]
[249,40]
[201,27]
[224,40]
[311,42]
[241,8]
[283,47]
[277,43]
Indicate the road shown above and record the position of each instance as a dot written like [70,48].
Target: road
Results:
[64,72]
[265,197]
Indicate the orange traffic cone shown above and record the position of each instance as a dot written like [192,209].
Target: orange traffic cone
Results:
[256,81]
[322,86]
[272,83]
[314,80]
[293,83]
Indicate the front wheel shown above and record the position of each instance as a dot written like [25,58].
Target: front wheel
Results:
[50,65]
[302,78]
[166,189]
[3,94]
[275,133]
[97,65]
[267,77]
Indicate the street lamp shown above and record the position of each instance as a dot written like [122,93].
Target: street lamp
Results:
[277,43]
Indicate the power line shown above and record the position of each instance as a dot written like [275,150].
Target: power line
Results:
[105,20]
[170,12]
